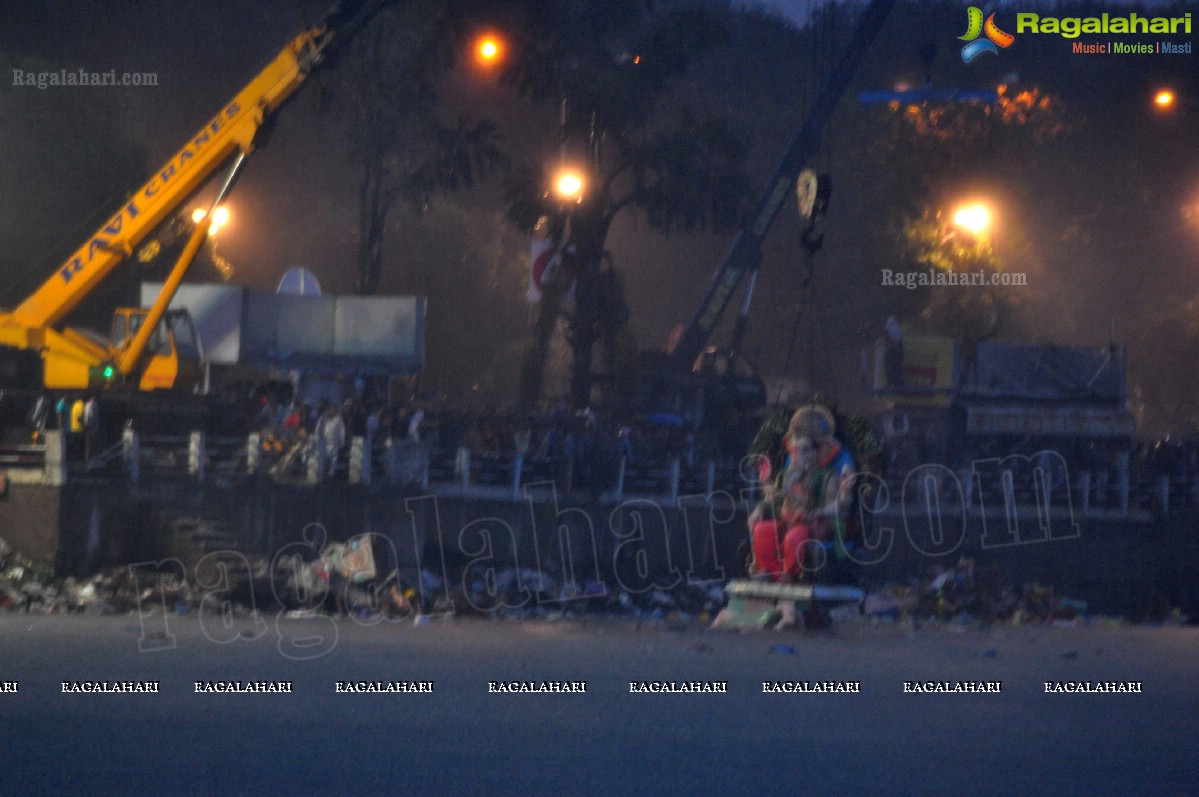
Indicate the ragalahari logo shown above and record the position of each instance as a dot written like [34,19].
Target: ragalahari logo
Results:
[975,27]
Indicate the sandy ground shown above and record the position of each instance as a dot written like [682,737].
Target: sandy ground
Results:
[461,739]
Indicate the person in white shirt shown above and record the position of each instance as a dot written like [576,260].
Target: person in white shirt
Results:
[331,437]
[414,423]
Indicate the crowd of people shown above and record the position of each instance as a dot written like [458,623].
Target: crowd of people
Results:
[79,416]
[593,445]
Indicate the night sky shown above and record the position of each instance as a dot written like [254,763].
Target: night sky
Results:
[70,152]
[202,53]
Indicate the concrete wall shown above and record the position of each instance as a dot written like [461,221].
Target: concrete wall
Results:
[1117,566]
[29,521]
[647,545]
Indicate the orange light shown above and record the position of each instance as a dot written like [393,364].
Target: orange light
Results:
[975,218]
[489,49]
[220,217]
[1164,99]
[569,185]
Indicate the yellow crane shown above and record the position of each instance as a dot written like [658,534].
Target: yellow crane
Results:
[151,348]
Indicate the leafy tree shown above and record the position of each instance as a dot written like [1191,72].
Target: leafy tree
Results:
[1074,145]
[385,89]
[465,258]
[609,67]
[971,315]
[1159,388]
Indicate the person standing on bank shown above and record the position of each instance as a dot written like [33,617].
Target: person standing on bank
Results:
[77,425]
[91,425]
[330,437]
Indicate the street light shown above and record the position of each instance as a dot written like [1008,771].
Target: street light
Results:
[488,49]
[1164,99]
[974,218]
[220,217]
[568,185]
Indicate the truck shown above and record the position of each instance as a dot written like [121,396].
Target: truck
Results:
[153,348]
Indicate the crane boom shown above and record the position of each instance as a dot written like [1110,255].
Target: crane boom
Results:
[745,254]
[232,129]
[69,356]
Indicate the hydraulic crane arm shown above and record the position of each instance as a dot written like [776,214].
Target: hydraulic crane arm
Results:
[745,255]
[131,354]
[234,129]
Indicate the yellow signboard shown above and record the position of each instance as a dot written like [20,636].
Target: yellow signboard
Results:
[928,363]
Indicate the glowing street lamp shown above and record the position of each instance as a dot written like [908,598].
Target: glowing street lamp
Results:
[488,49]
[568,185]
[1164,99]
[974,218]
[220,218]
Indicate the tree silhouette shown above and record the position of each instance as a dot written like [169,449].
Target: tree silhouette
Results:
[385,90]
[609,67]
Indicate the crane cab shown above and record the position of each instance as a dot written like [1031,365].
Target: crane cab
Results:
[172,357]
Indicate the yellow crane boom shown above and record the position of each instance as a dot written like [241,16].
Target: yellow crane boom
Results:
[70,358]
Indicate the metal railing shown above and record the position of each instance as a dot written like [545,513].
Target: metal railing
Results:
[32,455]
[388,462]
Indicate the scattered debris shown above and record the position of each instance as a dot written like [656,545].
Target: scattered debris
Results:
[965,596]
[747,613]
[342,580]
[345,580]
